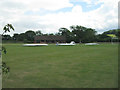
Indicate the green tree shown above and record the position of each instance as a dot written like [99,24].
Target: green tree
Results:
[6,37]
[30,35]
[57,34]
[90,35]
[83,34]
[78,32]
[7,28]
[105,38]
[16,37]
[22,36]
[38,33]
[65,32]
[51,34]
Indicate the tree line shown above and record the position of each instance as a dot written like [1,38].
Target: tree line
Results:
[79,34]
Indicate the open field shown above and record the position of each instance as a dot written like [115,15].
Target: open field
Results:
[53,66]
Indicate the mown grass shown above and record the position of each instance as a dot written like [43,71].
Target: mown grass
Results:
[53,66]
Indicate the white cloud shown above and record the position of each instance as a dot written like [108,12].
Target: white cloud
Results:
[103,18]
[13,11]
[36,4]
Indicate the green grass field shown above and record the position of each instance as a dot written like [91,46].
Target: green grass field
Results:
[53,66]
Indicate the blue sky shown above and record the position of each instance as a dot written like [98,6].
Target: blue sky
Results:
[50,15]
[85,8]
[85,5]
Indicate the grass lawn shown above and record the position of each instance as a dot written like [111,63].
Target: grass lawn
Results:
[53,66]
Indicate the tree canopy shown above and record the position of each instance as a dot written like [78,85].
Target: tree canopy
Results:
[77,33]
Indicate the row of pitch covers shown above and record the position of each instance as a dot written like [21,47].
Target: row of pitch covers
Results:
[60,44]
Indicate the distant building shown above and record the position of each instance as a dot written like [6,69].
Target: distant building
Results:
[49,39]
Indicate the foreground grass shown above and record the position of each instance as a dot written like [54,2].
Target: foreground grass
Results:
[52,66]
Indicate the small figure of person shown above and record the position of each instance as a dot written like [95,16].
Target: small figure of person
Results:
[57,43]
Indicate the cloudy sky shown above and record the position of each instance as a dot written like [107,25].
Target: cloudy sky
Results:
[50,15]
